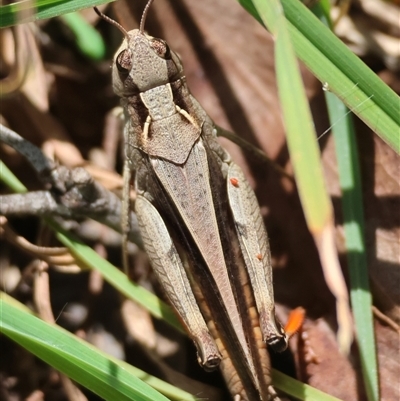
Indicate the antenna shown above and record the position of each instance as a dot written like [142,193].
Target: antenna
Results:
[144,15]
[112,22]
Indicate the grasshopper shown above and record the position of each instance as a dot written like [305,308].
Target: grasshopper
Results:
[199,218]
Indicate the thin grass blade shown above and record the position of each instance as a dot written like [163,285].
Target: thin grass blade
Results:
[299,390]
[364,93]
[305,156]
[24,11]
[350,183]
[88,39]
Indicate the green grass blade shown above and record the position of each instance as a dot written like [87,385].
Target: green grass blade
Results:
[299,390]
[166,389]
[350,183]
[352,205]
[346,75]
[300,132]
[305,156]
[10,180]
[28,11]
[88,40]
[80,361]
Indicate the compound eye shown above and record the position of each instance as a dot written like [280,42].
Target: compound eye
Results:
[161,48]
[124,62]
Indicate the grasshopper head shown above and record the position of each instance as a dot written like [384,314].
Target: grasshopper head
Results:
[143,62]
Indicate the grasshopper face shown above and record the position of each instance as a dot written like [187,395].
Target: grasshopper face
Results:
[143,62]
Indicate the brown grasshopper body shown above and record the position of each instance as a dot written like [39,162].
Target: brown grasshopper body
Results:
[199,218]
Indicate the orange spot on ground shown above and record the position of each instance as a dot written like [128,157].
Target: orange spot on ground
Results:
[295,321]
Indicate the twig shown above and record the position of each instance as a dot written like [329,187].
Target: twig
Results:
[55,256]
[32,153]
[73,193]
[386,319]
